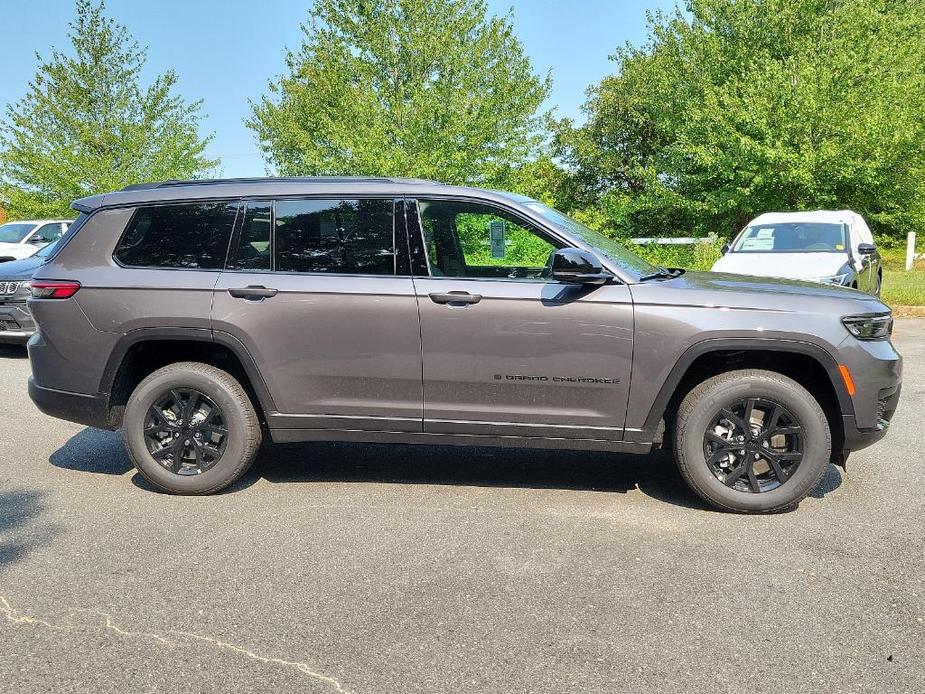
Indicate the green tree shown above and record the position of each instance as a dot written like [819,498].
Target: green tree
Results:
[421,88]
[86,125]
[737,107]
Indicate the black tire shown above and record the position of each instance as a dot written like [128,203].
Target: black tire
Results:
[239,445]
[697,414]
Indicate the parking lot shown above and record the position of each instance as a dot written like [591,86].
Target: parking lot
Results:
[359,568]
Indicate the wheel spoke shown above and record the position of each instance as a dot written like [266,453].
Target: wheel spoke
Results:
[715,456]
[776,467]
[785,431]
[771,420]
[718,440]
[192,404]
[734,418]
[730,479]
[752,478]
[160,429]
[747,418]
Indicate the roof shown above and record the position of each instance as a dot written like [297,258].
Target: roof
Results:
[830,216]
[212,189]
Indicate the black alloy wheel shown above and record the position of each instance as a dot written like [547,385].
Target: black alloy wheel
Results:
[753,445]
[185,431]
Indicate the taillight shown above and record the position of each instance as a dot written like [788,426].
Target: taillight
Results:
[54,289]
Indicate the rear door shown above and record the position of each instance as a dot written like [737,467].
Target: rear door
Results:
[508,351]
[312,290]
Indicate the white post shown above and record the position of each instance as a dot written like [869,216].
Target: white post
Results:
[910,250]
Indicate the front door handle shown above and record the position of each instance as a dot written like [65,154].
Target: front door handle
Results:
[455,298]
[253,292]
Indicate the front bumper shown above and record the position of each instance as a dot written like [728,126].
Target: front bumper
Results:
[16,324]
[857,438]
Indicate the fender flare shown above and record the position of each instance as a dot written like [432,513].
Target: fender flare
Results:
[745,344]
[233,344]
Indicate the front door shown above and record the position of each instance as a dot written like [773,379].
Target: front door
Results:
[508,351]
[312,292]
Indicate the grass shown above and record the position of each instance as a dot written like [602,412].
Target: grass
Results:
[901,288]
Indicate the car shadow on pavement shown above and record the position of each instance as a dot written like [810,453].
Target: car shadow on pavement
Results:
[93,450]
[13,352]
[655,474]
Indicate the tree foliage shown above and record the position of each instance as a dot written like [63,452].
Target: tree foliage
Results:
[421,88]
[86,125]
[737,107]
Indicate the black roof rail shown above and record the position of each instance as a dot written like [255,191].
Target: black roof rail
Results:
[280,179]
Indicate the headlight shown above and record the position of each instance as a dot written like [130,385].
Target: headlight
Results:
[835,279]
[877,326]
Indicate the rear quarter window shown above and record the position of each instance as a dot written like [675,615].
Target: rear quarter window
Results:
[190,236]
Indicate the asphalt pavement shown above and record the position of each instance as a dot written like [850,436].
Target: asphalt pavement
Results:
[377,569]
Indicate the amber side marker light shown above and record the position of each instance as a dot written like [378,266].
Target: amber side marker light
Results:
[53,289]
[846,377]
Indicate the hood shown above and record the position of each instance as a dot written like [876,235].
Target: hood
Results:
[721,290]
[13,270]
[788,265]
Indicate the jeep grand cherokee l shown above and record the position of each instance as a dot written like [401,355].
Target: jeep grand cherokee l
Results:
[200,316]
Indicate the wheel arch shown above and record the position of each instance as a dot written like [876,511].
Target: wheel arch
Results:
[807,363]
[145,350]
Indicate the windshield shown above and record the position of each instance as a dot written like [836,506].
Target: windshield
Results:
[792,237]
[602,244]
[14,232]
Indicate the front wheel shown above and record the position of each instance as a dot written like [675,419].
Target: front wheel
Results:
[190,428]
[752,441]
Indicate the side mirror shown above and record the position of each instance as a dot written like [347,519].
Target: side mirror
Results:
[725,249]
[37,241]
[867,248]
[577,266]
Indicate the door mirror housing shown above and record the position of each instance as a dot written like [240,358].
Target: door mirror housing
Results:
[578,266]
[725,249]
[867,248]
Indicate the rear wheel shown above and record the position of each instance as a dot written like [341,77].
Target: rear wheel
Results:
[752,441]
[191,428]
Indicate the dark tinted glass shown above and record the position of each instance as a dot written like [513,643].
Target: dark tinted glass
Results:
[253,251]
[181,236]
[342,236]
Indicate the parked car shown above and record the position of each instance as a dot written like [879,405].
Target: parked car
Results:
[821,246]
[198,317]
[16,323]
[22,239]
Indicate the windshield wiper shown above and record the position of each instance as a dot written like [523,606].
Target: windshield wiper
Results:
[661,272]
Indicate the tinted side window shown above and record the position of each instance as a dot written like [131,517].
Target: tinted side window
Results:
[253,248]
[340,236]
[191,235]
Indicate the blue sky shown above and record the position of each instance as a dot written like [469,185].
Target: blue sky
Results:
[225,51]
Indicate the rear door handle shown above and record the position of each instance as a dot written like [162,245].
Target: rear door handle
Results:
[253,292]
[455,298]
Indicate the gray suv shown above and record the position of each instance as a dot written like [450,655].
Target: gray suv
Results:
[200,317]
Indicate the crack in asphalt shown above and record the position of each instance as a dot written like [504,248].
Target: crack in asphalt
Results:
[18,618]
